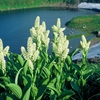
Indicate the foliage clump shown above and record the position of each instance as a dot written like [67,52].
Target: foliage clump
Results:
[37,75]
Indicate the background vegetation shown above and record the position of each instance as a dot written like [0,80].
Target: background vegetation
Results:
[93,1]
[20,4]
[17,4]
[85,23]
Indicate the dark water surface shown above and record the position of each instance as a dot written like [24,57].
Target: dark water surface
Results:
[15,25]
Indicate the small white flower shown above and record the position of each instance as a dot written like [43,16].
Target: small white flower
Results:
[54,28]
[24,53]
[58,23]
[33,33]
[35,56]
[44,26]
[55,35]
[1,45]
[5,51]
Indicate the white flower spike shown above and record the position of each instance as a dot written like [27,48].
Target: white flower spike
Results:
[31,54]
[39,34]
[3,53]
[84,44]
[58,28]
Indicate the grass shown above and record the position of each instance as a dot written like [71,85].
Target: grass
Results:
[37,3]
[85,23]
[77,35]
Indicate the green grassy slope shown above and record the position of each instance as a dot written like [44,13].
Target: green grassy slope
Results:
[85,23]
[20,4]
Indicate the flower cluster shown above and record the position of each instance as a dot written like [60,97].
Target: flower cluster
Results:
[39,34]
[60,42]
[31,54]
[3,53]
[84,45]
[57,28]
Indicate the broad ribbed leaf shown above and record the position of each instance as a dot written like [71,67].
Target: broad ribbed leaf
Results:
[47,71]
[16,90]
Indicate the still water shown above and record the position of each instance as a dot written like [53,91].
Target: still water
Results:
[15,25]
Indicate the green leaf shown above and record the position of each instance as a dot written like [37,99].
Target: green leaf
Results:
[74,52]
[47,71]
[81,82]
[51,87]
[87,73]
[34,90]
[84,66]
[78,68]
[7,79]
[66,95]
[45,56]
[17,75]
[42,88]
[41,91]
[74,86]
[26,79]
[2,85]
[25,68]
[67,76]
[16,90]
[11,97]
[56,67]
[52,95]
[27,94]
[51,64]
[68,60]
[20,59]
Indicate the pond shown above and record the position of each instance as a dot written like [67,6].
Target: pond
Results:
[15,25]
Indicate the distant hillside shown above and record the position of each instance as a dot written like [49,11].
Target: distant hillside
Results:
[24,4]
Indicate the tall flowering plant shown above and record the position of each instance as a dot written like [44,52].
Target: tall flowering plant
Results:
[84,48]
